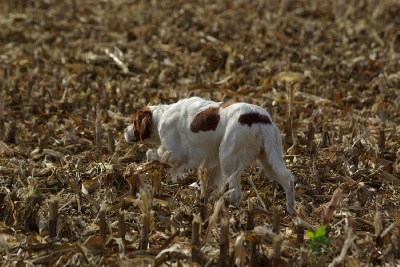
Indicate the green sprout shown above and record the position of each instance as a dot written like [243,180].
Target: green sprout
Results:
[319,243]
[38,191]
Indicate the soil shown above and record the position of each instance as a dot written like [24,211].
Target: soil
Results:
[74,193]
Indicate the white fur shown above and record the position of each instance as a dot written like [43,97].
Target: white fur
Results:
[225,152]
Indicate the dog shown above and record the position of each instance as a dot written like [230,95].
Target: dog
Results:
[222,137]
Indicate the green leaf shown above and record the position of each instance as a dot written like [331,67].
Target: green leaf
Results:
[38,191]
[310,235]
[313,247]
[321,231]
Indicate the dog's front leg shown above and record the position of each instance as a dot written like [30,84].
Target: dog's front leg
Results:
[152,155]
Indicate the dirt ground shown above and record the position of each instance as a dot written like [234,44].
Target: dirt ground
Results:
[74,193]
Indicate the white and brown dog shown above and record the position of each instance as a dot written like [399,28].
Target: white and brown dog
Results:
[222,137]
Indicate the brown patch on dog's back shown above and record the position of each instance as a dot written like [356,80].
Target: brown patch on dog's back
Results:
[206,120]
[252,118]
[226,104]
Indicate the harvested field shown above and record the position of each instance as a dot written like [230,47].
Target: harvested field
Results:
[74,193]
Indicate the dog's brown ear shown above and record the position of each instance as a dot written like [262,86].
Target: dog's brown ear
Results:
[144,117]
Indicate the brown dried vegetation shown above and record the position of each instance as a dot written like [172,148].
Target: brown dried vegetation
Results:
[72,73]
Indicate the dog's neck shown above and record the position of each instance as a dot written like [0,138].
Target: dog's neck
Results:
[156,112]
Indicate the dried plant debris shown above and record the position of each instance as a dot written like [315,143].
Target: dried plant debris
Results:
[74,193]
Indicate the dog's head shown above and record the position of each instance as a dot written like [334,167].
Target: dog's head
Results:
[140,128]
